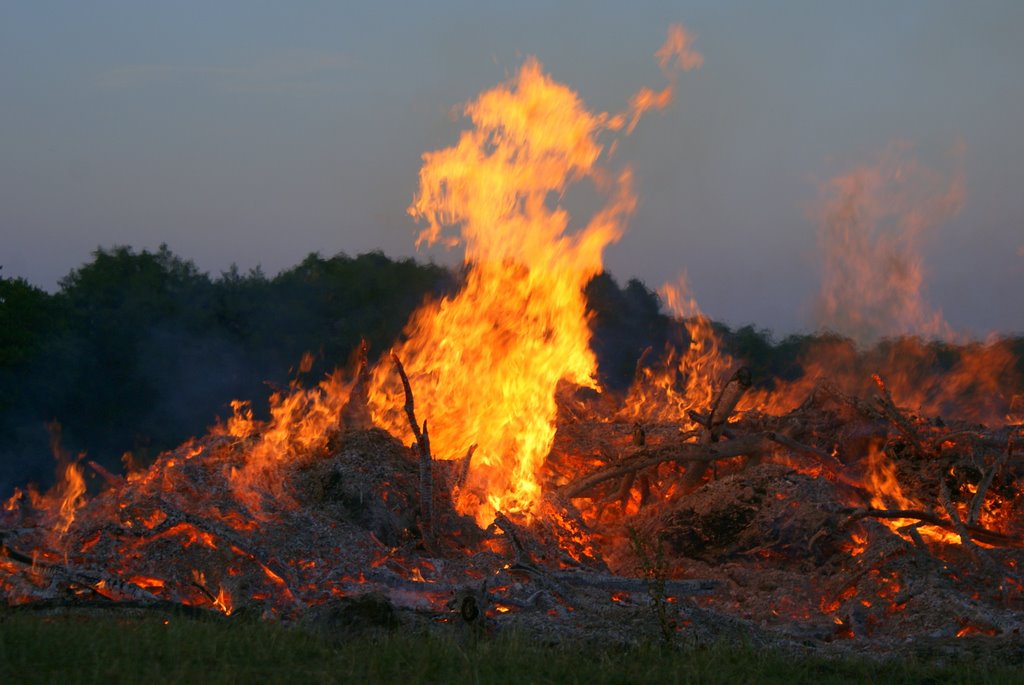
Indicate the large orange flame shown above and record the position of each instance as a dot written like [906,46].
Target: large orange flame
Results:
[485,363]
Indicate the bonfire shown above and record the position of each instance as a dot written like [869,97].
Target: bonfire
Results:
[478,476]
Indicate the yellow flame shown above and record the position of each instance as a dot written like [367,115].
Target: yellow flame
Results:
[223,602]
[485,363]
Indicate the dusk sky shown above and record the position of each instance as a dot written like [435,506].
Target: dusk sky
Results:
[258,132]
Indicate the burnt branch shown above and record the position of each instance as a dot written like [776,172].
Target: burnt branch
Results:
[463,473]
[984,535]
[687,453]
[721,409]
[67,576]
[831,464]
[426,460]
[954,515]
[512,533]
[897,418]
[725,404]
[831,390]
[112,479]
[983,486]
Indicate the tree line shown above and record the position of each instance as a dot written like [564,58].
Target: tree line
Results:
[139,350]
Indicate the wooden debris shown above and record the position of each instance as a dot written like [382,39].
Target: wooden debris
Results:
[985,484]
[901,422]
[426,460]
[721,409]
[693,453]
[989,537]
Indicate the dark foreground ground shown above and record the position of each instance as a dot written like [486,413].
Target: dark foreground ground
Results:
[178,648]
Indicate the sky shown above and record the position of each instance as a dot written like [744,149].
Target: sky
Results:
[254,133]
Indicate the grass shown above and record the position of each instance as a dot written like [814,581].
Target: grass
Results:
[178,649]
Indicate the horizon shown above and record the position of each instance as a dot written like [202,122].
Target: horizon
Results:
[773,335]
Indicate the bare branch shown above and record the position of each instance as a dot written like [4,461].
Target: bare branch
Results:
[426,461]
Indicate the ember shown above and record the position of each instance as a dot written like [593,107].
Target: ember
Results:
[874,497]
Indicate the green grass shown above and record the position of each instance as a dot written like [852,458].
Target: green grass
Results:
[91,649]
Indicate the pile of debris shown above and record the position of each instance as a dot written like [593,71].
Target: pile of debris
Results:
[776,528]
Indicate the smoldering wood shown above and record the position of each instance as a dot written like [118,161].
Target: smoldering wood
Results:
[112,479]
[612,583]
[511,531]
[775,532]
[246,548]
[63,577]
[682,453]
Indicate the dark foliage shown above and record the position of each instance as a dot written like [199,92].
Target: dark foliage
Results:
[138,351]
[624,322]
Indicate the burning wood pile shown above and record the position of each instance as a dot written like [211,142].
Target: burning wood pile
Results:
[845,518]
[478,476]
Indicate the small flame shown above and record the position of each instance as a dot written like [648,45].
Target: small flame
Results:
[300,421]
[885,485]
[223,601]
[683,382]
[969,628]
[676,54]
[13,503]
[72,491]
